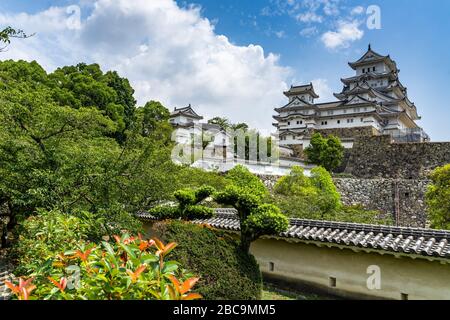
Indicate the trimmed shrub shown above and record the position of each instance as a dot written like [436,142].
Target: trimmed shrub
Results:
[189,207]
[226,271]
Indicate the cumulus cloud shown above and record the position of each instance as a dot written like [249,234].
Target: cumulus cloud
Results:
[346,33]
[169,53]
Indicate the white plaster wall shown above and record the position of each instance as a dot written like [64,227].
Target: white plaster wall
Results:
[306,263]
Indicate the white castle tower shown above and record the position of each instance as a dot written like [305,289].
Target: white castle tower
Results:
[373,102]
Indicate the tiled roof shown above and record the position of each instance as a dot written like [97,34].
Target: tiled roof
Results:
[414,241]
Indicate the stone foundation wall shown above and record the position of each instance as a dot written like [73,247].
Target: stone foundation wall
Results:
[401,199]
[379,157]
[349,132]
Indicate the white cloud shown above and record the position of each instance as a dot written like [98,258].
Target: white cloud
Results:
[322,88]
[309,32]
[309,17]
[347,32]
[169,53]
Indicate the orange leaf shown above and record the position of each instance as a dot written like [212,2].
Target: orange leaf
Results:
[169,248]
[175,282]
[188,284]
[159,244]
[135,275]
[172,294]
[140,270]
[143,245]
[192,296]
[56,283]
[12,287]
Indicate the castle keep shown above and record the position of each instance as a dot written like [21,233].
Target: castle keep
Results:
[373,102]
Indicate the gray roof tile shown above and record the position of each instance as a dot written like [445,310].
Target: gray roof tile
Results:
[425,242]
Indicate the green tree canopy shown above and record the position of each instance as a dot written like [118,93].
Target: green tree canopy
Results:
[247,194]
[438,198]
[325,152]
[67,142]
[312,197]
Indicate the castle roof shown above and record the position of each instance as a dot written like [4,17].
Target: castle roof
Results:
[187,111]
[304,89]
[371,57]
[412,242]
[370,76]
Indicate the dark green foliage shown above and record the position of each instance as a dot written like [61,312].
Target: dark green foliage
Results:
[188,205]
[86,86]
[74,141]
[325,152]
[152,114]
[246,193]
[438,198]
[49,233]
[226,271]
[266,220]
[317,198]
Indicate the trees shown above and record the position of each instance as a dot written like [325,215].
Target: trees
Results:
[62,148]
[438,198]
[8,33]
[305,197]
[87,86]
[317,198]
[246,193]
[325,152]
[225,124]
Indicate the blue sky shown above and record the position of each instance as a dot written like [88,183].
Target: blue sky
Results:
[415,33]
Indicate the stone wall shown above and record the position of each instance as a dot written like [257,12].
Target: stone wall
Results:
[403,200]
[344,133]
[379,157]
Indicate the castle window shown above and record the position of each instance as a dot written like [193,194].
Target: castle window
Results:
[271,266]
[374,69]
[339,121]
[362,119]
[333,282]
[364,71]
[289,123]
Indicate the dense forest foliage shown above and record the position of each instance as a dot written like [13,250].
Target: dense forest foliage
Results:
[74,140]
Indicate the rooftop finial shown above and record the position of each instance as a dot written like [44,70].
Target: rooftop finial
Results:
[370,47]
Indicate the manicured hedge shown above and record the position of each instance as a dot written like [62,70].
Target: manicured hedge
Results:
[227,273]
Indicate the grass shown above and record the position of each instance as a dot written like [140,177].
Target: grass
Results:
[273,293]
